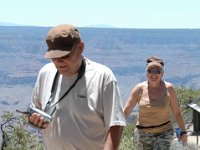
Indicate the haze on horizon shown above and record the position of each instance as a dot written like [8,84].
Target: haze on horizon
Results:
[104,13]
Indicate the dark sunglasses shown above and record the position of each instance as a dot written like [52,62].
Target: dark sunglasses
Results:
[154,71]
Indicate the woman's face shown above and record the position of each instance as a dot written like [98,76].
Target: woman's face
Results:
[154,74]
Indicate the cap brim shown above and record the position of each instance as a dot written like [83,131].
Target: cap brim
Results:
[154,64]
[56,53]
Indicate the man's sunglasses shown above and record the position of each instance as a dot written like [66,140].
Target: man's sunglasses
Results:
[154,71]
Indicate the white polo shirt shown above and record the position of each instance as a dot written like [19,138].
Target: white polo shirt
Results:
[83,117]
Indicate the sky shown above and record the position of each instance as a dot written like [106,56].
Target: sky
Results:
[113,13]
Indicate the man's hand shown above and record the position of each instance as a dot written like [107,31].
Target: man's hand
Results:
[38,121]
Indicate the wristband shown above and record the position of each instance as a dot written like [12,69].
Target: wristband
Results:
[183,132]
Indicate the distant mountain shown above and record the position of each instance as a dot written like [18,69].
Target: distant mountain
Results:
[15,24]
[9,24]
[125,51]
[100,26]
[88,26]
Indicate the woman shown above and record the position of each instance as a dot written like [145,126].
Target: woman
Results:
[154,98]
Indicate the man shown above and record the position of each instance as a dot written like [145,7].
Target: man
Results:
[82,97]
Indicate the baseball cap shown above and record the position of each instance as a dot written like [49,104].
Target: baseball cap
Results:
[60,40]
[154,61]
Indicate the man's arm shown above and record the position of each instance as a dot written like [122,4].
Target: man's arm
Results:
[113,138]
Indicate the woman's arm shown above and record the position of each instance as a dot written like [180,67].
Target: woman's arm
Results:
[132,100]
[176,111]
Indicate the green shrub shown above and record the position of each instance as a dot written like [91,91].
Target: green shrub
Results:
[16,135]
[127,138]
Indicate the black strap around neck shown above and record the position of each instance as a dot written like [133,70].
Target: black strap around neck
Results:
[81,72]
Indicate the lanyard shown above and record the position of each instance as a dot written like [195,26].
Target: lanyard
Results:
[81,72]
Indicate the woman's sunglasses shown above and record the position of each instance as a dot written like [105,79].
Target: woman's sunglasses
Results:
[154,71]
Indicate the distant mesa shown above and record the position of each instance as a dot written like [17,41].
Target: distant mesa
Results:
[16,103]
[4,103]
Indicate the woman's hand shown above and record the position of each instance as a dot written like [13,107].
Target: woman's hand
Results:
[183,138]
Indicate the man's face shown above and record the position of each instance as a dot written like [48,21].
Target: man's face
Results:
[68,65]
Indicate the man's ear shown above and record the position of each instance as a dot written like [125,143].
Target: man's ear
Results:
[81,46]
